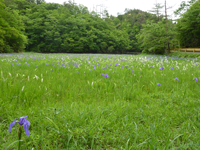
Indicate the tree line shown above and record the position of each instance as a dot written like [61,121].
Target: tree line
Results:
[37,26]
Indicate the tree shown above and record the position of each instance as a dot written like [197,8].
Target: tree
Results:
[188,27]
[157,10]
[12,38]
[154,38]
[184,6]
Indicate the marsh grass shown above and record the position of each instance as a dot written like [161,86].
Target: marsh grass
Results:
[84,110]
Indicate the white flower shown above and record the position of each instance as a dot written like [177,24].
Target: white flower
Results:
[36,77]
[22,88]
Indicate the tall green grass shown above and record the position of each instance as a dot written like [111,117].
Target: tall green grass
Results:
[73,107]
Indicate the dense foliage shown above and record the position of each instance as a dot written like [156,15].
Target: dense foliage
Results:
[12,38]
[52,27]
[37,26]
[185,55]
[154,37]
[188,27]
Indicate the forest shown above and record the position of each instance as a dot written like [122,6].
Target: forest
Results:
[37,26]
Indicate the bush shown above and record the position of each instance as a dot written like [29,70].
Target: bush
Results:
[185,55]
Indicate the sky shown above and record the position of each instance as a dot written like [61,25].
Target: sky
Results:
[118,6]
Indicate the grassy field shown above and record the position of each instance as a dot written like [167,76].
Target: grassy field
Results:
[100,102]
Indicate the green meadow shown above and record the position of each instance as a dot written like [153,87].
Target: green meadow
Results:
[100,102]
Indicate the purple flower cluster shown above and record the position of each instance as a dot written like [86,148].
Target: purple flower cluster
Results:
[176,79]
[105,75]
[161,68]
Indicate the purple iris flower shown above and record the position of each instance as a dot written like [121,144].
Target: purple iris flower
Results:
[113,71]
[122,67]
[161,68]
[158,84]
[22,121]
[116,64]
[196,79]
[76,65]
[172,68]
[132,70]
[106,75]
[94,67]
[176,79]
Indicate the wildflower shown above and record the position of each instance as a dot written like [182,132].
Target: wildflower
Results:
[176,79]
[122,67]
[106,75]
[172,68]
[132,70]
[161,68]
[22,88]
[77,72]
[158,84]
[22,121]
[113,71]
[126,65]
[151,66]
[196,79]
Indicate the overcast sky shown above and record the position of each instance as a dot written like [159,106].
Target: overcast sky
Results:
[115,6]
